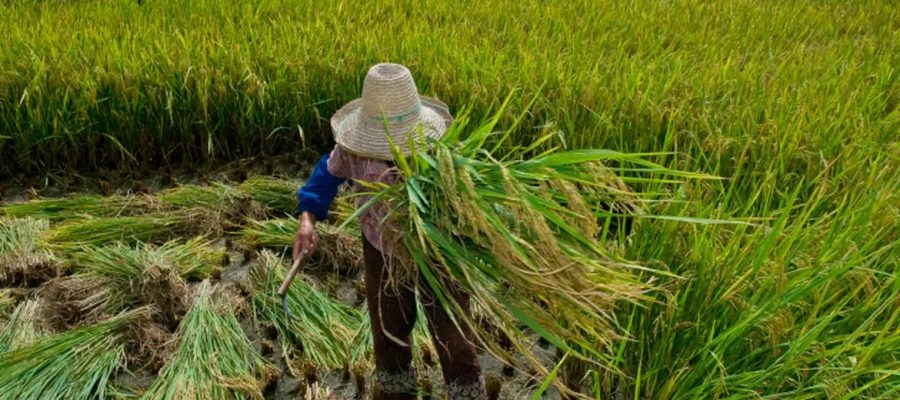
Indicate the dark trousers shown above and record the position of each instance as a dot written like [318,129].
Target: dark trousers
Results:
[392,310]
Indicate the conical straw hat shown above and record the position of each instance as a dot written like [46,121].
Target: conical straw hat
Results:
[390,106]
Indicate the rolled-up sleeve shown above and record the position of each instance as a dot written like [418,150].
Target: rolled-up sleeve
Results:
[319,191]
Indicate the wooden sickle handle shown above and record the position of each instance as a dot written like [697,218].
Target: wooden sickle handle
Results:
[291,274]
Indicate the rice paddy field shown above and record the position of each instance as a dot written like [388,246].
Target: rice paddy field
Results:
[149,154]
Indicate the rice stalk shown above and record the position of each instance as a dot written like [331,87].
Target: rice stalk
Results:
[22,328]
[339,247]
[520,234]
[322,329]
[72,365]
[215,359]
[24,258]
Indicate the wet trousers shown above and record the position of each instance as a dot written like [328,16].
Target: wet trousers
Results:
[392,310]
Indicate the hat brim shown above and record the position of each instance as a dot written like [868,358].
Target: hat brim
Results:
[372,142]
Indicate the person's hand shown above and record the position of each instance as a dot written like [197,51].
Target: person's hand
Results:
[307,239]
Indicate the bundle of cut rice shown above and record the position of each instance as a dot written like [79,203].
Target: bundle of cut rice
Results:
[520,234]
[24,258]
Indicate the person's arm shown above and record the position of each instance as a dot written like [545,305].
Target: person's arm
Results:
[317,194]
[313,201]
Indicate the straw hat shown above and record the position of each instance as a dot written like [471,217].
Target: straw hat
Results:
[389,97]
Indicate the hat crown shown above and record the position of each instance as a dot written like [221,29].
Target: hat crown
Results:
[389,93]
[389,110]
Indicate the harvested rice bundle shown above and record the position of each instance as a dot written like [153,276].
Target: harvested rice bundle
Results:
[81,300]
[6,300]
[223,201]
[276,194]
[338,248]
[519,234]
[195,259]
[214,197]
[79,206]
[112,278]
[24,259]
[22,328]
[322,329]
[72,365]
[215,359]
[155,227]
[280,195]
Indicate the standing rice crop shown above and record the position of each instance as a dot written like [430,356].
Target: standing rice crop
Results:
[321,330]
[215,359]
[72,365]
[24,258]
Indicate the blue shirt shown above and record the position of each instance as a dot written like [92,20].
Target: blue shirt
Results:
[319,191]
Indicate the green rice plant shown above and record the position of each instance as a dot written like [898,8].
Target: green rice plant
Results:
[799,305]
[72,365]
[339,248]
[321,330]
[24,258]
[153,227]
[638,75]
[215,359]
[79,206]
[519,234]
[22,328]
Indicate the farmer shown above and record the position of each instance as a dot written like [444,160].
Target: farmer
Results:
[390,105]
